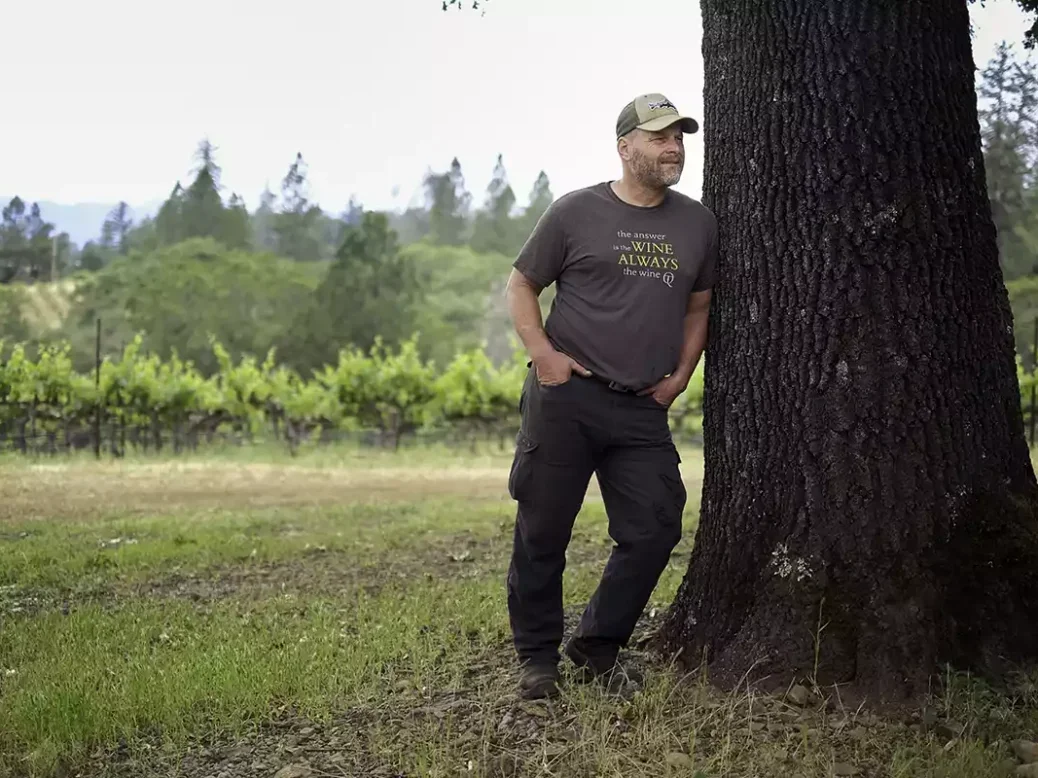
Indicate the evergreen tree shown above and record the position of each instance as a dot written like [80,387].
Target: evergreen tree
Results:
[116,229]
[448,203]
[354,213]
[203,213]
[169,223]
[236,226]
[296,222]
[1009,90]
[25,241]
[494,229]
[540,197]
[263,236]
[369,292]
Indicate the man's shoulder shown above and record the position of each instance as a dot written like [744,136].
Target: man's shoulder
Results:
[691,206]
[578,199]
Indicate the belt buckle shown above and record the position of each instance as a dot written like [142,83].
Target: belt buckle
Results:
[618,387]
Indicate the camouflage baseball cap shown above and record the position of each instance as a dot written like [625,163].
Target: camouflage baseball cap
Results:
[652,112]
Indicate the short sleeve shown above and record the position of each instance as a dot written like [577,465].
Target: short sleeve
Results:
[707,277]
[543,256]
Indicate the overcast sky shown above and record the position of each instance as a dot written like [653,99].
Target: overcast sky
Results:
[106,100]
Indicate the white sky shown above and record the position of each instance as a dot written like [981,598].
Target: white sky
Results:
[107,100]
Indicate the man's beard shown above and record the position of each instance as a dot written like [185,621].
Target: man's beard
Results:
[655,175]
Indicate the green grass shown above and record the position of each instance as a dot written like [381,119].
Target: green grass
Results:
[366,631]
[97,675]
[69,555]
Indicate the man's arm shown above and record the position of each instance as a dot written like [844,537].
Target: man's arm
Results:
[553,367]
[525,311]
[697,313]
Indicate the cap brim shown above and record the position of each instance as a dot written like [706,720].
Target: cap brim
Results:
[688,124]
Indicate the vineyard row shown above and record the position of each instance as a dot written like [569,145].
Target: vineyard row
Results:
[151,400]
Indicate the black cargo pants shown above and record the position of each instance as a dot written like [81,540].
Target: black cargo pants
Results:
[567,433]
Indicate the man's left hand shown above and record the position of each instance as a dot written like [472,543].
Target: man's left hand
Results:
[667,390]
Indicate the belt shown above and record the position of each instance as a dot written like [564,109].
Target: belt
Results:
[616,387]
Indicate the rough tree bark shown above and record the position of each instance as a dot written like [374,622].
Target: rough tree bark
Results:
[866,467]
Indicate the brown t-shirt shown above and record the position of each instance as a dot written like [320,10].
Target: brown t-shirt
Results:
[623,275]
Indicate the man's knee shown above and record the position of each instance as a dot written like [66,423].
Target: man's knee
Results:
[669,509]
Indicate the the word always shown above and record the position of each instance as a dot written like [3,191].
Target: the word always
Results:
[649,255]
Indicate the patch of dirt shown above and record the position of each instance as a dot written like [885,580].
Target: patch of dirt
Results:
[323,572]
[92,491]
[95,490]
[318,572]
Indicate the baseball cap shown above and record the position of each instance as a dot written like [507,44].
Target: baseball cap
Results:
[652,112]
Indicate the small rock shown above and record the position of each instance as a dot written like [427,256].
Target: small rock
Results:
[799,695]
[929,718]
[1026,751]
[950,730]
[858,733]
[536,710]
[679,760]
[504,765]
[294,771]
[756,726]
[1027,770]
[306,731]
[844,769]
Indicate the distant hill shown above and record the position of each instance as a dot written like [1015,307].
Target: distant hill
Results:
[82,221]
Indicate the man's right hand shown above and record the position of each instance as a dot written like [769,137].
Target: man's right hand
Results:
[555,368]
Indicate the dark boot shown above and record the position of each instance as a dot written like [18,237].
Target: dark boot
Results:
[539,681]
[604,667]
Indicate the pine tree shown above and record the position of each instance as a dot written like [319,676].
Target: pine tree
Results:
[116,228]
[263,235]
[540,198]
[236,226]
[295,224]
[169,223]
[494,229]
[448,203]
[1008,120]
[369,291]
[203,208]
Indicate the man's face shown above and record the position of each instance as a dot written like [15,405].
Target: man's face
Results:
[657,158]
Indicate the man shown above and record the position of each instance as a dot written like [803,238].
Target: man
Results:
[634,264]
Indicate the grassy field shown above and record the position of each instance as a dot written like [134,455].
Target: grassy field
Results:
[248,615]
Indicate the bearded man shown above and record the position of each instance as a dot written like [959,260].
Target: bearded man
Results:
[634,263]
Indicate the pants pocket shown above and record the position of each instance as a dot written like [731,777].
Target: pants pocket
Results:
[522,464]
[675,492]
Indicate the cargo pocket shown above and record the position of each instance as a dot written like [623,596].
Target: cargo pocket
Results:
[522,464]
[674,488]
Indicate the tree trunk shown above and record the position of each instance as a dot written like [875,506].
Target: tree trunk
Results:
[866,467]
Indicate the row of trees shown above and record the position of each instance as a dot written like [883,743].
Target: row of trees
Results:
[292,225]
[390,391]
[289,223]
[181,294]
[29,244]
